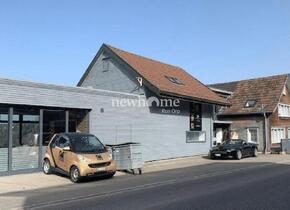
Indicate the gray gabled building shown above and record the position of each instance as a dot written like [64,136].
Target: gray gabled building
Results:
[164,132]
[121,97]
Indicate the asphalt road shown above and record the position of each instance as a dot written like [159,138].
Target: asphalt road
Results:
[213,186]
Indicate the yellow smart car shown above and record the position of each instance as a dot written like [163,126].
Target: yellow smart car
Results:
[78,155]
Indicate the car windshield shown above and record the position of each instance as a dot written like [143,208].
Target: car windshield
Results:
[232,142]
[86,144]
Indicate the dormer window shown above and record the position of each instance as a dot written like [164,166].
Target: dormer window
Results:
[250,104]
[174,80]
[106,64]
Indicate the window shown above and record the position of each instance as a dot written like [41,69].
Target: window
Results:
[25,138]
[234,134]
[86,144]
[54,141]
[252,134]
[195,136]
[277,134]
[250,103]
[174,80]
[106,64]
[284,110]
[195,117]
[3,139]
[53,122]
[62,142]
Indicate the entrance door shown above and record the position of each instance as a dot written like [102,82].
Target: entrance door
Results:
[219,135]
[53,122]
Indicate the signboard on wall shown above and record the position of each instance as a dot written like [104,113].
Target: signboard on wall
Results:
[195,115]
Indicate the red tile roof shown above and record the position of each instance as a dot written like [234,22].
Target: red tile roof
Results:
[265,91]
[155,73]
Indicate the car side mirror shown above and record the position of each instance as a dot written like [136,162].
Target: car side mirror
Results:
[66,148]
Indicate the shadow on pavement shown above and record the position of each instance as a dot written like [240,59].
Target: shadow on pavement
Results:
[105,187]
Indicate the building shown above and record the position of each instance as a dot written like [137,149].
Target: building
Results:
[122,97]
[259,111]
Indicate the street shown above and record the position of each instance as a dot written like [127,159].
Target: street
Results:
[220,185]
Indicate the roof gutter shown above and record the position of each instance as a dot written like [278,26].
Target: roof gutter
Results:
[221,91]
[188,98]
[242,114]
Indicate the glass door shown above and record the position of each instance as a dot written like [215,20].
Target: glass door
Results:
[53,122]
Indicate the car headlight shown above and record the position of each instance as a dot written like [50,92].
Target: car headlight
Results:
[110,156]
[83,158]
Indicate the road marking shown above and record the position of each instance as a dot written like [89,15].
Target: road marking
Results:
[141,187]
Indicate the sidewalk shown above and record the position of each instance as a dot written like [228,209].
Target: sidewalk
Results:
[24,182]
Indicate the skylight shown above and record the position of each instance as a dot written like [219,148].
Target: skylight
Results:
[250,104]
[174,80]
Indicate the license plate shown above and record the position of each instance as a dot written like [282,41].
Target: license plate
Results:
[102,169]
[218,155]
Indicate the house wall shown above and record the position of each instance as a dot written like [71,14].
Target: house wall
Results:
[114,79]
[281,122]
[240,124]
[162,135]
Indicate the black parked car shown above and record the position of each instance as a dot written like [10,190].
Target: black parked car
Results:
[236,148]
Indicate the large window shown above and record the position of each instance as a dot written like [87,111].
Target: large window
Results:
[277,134]
[21,149]
[284,110]
[3,139]
[252,135]
[25,137]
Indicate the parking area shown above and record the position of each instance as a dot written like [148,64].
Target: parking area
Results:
[25,182]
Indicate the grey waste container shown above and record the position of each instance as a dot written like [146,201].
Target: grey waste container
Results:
[128,156]
[285,144]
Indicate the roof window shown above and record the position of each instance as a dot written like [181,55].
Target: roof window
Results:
[250,104]
[174,80]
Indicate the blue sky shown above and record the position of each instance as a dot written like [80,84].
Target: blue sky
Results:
[54,41]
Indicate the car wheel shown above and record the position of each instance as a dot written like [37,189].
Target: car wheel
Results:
[46,167]
[110,175]
[255,153]
[238,155]
[211,156]
[75,174]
